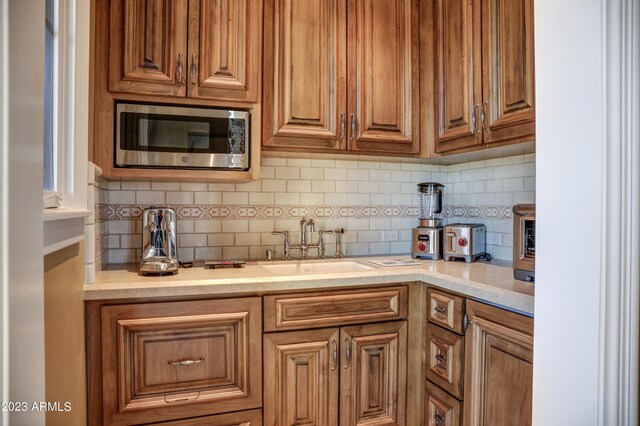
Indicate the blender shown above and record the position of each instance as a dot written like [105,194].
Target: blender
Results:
[427,237]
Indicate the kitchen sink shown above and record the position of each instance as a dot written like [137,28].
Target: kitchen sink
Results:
[316,267]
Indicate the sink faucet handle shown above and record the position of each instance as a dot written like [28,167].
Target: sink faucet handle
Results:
[312,225]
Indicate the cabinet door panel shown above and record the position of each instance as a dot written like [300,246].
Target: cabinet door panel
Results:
[508,69]
[383,75]
[301,378]
[304,74]
[224,49]
[440,408]
[159,363]
[458,74]
[373,377]
[147,40]
[499,367]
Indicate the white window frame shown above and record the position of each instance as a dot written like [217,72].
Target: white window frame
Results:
[65,225]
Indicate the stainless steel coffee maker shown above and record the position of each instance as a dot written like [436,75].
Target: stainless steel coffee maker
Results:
[159,242]
[427,237]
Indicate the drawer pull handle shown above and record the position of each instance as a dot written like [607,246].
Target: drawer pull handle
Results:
[186,361]
[439,420]
[347,353]
[442,360]
[440,309]
[190,398]
[335,355]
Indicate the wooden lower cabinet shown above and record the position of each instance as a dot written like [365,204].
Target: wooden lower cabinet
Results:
[360,369]
[440,408]
[499,367]
[243,418]
[175,360]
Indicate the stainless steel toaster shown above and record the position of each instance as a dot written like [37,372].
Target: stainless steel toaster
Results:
[464,241]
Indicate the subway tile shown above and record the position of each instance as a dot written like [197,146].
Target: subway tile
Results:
[237,198]
[261,225]
[476,186]
[131,241]
[524,170]
[371,165]
[454,177]
[408,188]
[274,185]
[123,256]
[186,254]
[529,184]
[496,185]
[461,188]
[418,177]
[323,186]
[401,199]
[299,162]
[400,176]
[524,197]
[378,199]
[399,247]
[357,174]
[235,225]
[529,158]
[253,186]
[299,186]
[410,167]
[516,159]
[135,185]
[357,225]
[208,198]
[390,187]
[312,199]
[356,249]
[379,248]
[273,161]
[504,199]
[235,252]
[469,175]
[208,226]
[347,164]
[346,186]
[221,240]
[165,186]
[335,174]
[333,199]
[247,239]
[222,187]
[287,173]
[513,185]
[122,226]
[286,199]
[368,187]
[368,236]
[486,199]
[185,226]
[379,224]
[122,197]
[312,173]
[358,199]
[261,198]
[259,252]
[182,197]
[208,253]
[267,172]
[486,173]
[192,240]
[322,163]
[380,175]
[504,172]
[493,162]
[194,186]
[113,185]
[148,197]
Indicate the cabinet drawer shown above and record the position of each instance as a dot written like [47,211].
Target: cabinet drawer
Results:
[445,309]
[164,361]
[243,418]
[445,359]
[330,308]
[440,408]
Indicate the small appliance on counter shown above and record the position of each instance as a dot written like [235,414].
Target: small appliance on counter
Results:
[159,242]
[465,241]
[524,242]
[427,237]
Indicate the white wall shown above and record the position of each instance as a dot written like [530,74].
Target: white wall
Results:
[21,278]
[568,195]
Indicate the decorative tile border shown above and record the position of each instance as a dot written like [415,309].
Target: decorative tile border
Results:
[200,212]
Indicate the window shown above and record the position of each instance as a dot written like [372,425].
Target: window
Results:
[49,174]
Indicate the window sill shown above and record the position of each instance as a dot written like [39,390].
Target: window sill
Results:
[62,228]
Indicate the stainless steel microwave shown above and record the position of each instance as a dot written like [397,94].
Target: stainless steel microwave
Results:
[155,136]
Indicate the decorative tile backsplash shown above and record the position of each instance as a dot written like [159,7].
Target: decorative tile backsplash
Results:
[367,199]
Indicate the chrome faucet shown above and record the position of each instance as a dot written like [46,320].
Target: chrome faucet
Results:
[305,244]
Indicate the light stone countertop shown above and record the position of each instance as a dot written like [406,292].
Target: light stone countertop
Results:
[487,282]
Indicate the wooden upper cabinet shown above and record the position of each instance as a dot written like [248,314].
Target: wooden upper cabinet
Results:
[508,69]
[383,76]
[305,74]
[458,74]
[373,374]
[224,49]
[301,378]
[209,49]
[484,85]
[148,42]
[499,367]
[341,76]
